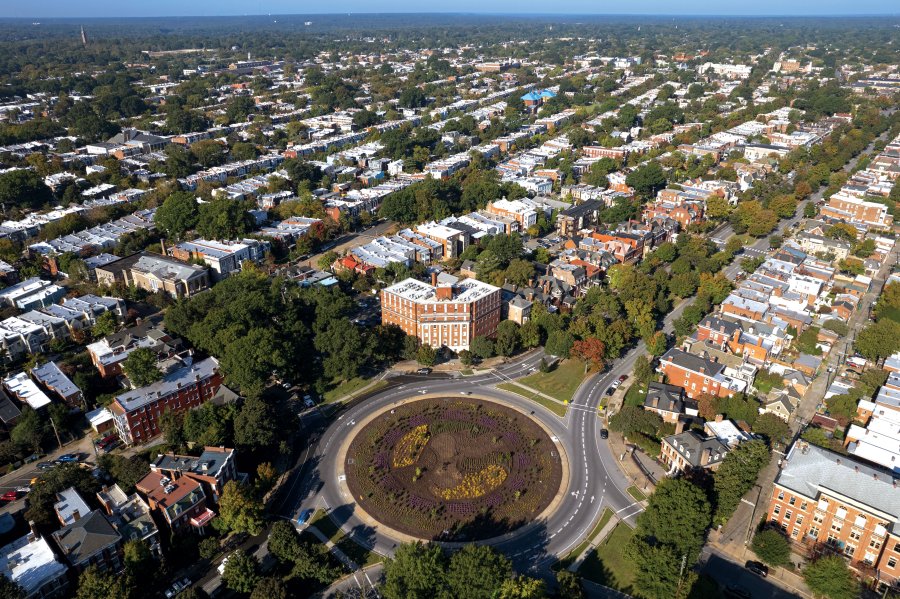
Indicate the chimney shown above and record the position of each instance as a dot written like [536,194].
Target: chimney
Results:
[679,426]
[655,402]
[704,457]
[76,516]
[434,279]
[719,418]
[33,534]
[162,245]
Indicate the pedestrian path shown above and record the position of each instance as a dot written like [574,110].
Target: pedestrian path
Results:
[342,557]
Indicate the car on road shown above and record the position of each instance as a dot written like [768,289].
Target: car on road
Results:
[423,371]
[604,434]
[24,490]
[758,568]
[9,496]
[308,401]
[465,393]
[623,378]
[610,390]
[67,458]
[45,465]
[177,587]
[304,516]
[738,592]
[221,568]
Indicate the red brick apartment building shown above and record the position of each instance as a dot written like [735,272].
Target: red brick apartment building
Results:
[442,315]
[826,502]
[137,412]
[842,206]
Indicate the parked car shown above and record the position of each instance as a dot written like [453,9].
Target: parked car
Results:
[9,496]
[308,401]
[623,378]
[45,465]
[423,371]
[604,434]
[758,568]
[221,568]
[24,490]
[611,390]
[67,458]
[107,440]
[304,516]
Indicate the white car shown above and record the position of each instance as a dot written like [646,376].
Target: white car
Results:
[221,567]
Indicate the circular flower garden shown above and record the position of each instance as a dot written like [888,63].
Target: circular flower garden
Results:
[453,469]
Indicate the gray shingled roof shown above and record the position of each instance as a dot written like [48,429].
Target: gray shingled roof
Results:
[810,469]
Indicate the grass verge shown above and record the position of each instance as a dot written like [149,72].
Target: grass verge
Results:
[554,406]
[560,383]
[351,389]
[570,557]
[636,493]
[607,564]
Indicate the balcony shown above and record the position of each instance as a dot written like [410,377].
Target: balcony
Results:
[203,518]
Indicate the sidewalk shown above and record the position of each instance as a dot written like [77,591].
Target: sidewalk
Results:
[626,463]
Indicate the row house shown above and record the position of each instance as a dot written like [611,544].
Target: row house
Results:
[179,501]
[627,248]
[131,516]
[223,257]
[577,217]
[676,206]
[697,374]
[670,402]
[108,353]
[214,467]
[517,210]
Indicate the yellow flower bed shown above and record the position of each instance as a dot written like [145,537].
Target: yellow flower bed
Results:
[410,446]
[476,485]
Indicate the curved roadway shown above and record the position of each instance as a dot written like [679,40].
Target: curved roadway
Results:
[594,481]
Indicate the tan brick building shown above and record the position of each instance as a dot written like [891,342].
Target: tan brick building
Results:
[154,272]
[443,315]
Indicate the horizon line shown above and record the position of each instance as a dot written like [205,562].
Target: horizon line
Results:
[471,13]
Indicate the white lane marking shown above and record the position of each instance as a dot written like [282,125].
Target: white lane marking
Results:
[626,507]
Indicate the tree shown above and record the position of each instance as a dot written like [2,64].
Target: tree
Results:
[415,572]
[657,343]
[530,334]
[10,589]
[658,567]
[326,260]
[255,426]
[179,161]
[477,571]
[736,475]
[559,343]
[139,562]
[590,350]
[309,561]
[507,338]
[522,587]
[125,471]
[208,152]
[643,371]
[773,428]
[239,510]
[569,585]
[879,340]
[23,189]
[240,574]
[426,355]
[140,367]
[269,588]
[29,430]
[678,514]
[829,577]
[647,180]
[177,215]
[482,347]
[94,584]
[772,547]
[223,219]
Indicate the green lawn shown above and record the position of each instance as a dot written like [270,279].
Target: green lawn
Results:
[560,383]
[325,525]
[350,388]
[607,564]
[636,493]
[635,395]
[573,555]
[554,406]
[359,554]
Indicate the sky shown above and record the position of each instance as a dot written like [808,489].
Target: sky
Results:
[157,8]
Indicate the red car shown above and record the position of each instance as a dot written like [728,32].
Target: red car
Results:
[9,496]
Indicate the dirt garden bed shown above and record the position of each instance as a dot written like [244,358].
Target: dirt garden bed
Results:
[453,469]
